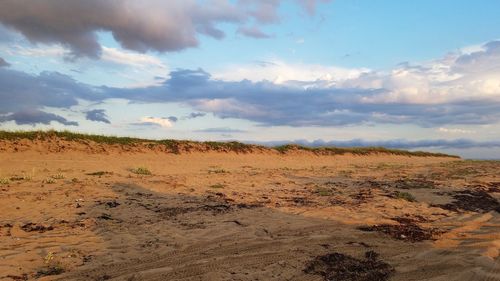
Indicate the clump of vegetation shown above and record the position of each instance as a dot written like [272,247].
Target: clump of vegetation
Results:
[405,196]
[217,171]
[49,181]
[323,191]
[52,267]
[229,146]
[172,145]
[58,176]
[24,176]
[217,186]
[4,181]
[142,171]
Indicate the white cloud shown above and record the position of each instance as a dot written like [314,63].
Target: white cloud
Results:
[132,69]
[280,72]
[131,58]
[454,78]
[112,55]
[455,131]
[38,51]
[163,122]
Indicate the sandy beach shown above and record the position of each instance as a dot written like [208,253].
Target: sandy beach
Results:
[81,213]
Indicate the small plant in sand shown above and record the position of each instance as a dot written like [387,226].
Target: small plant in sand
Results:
[322,191]
[58,176]
[52,267]
[217,171]
[4,181]
[141,171]
[49,181]
[23,177]
[405,196]
[217,186]
[48,258]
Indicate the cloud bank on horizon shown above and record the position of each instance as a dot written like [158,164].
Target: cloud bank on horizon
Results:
[456,94]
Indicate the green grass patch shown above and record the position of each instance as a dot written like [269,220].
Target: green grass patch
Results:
[358,151]
[217,186]
[49,181]
[58,176]
[405,196]
[323,191]
[142,171]
[23,177]
[217,171]
[4,181]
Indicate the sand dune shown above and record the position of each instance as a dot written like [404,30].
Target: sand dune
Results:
[84,211]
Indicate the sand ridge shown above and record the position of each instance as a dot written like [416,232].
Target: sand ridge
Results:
[80,215]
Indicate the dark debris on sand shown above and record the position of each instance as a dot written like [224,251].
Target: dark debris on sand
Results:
[404,183]
[406,230]
[494,187]
[337,266]
[49,271]
[112,204]
[32,227]
[23,277]
[215,207]
[472,200]
[414,184]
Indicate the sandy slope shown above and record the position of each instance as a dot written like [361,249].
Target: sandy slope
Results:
[228,216]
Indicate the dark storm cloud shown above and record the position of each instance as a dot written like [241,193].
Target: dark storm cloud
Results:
[97,115]
[157,25]
[486,59]
[172,119]
[397,143]
[270,104]
[3,63]
[194,115]
[263,102]
[33,117]
[19,90]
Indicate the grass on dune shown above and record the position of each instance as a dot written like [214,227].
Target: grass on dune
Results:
[176,145]
[358,151]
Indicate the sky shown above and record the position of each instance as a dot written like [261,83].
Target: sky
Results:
[418,75]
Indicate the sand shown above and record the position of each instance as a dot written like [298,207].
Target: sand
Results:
[80,214]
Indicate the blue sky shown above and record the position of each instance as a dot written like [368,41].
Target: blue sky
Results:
[410,74]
